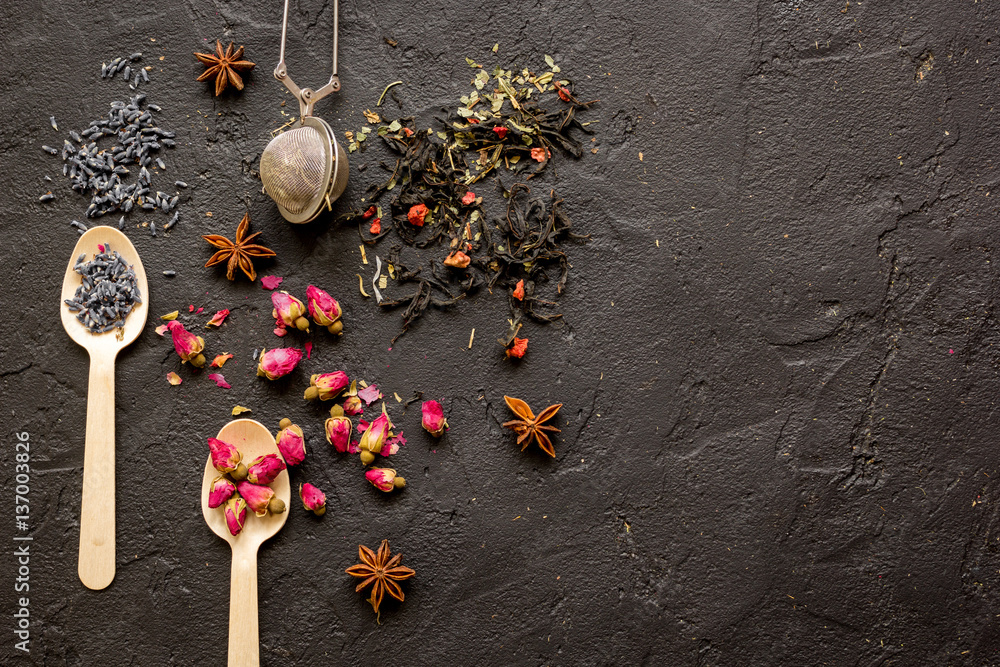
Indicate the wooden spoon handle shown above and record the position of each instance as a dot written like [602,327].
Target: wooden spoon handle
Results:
[244,641]
[97,511]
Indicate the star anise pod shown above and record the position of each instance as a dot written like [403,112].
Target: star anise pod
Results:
[223,65]
[382,571]
[528,426]
[240,253]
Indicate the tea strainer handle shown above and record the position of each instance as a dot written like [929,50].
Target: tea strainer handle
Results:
[307,97]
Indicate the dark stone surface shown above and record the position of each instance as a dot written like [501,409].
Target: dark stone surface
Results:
[779,367]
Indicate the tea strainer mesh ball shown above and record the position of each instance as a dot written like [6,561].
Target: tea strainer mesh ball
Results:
[292,169]
[304,169]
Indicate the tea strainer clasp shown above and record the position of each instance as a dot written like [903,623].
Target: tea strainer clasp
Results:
[305,169]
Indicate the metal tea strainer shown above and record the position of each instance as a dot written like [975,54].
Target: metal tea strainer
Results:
[304,169]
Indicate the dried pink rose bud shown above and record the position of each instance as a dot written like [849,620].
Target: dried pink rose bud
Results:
[288,311]
[313,499]
[221,491]
[236,514]
[187,345]
[338,430]
[291,443]
[225,457]
[353,406]
[264,469]
[256,496]
[325,386]
[433,418]
[384,479]
[278,362]
[374,437]
[324,310]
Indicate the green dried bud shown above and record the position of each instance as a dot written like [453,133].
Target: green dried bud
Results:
[285,423]
[240,473]
[399,482]
[367,458]
[312,393]
[276,505]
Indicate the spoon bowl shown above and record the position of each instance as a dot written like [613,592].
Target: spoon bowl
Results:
[96,565]
[253,440]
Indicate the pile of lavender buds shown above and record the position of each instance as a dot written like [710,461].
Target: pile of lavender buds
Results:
[99,172]
[124,65]
[108,292]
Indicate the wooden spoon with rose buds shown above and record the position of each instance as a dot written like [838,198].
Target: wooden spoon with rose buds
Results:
[97,505]
[253,440]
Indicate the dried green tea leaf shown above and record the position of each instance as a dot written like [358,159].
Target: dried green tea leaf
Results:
[549,61]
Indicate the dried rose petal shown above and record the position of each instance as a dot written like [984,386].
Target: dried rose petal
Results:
[468,198]
[220,360]
[519,290]
[457,259]
[518,347]
[501,131]
[221,491]
[313,499]
[280,331]
[270,282]
[325,386]
[186,344]
[384,479]
[264,469]
[162,329]
[170,316]
[417,214]
[324,309]
[236,514]
[369,394]
[218,318]
[220,380]
[239,409]
[338,430]
[225,457]
[256,496]
[291,443]
[289,311]
[173,378]
[309,349]
[393,444]
[278,362]
[433,418]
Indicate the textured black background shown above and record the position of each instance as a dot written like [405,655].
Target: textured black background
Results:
[779,363]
